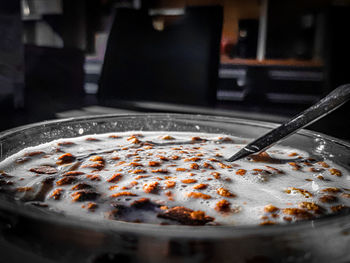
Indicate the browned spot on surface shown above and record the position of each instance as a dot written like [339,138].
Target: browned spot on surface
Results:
[216,175]
[170,195]
[91,139]
[316,170]
[65,158]
[297,212]
[167,137]
[56,194]
[263,157]
[193,159]
[138,171]
[96,158]
[180,169]
[84,195]
[336,172]
[131,185]
[198,195]
[189,181]
[96,165]
[323,164]
[123,194]
[338,208]
[163,158]
[141,203]
[72,173]
[151,187]
[91,206]
[153,163]
[5,175]
[163,171]
[222,165]
[311,206]
[134,140]
[21,160]
[170,184]
[331,190]
[223,206]
[304,192]
[44,169]
[274,169]
[241,172]
[34,153]
[267,223]
[66,180]
[225,193]
[328,199]
[114,136]
[287,218]
[196,138]
[345,195]
[194,166]
[115,178]
[81,186]
[200,186]
[65,143]
[113,187]
[93,177]
[295,166]
[225,139]
[271,209]
[141,177]
[135,164]
[186,216]
[207,165]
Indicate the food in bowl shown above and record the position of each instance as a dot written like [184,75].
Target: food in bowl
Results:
[175,178]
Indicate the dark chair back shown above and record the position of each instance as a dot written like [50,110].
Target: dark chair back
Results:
[178,64]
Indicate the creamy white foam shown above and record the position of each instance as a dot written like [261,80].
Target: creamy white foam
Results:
[284,181]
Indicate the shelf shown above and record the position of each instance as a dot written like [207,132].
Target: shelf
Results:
[224,59]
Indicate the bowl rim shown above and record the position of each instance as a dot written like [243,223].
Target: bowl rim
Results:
[176,231]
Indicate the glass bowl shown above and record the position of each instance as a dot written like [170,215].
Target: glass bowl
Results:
[41,236]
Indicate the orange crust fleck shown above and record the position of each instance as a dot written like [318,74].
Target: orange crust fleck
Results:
[331,190]
[66,180]
[224,192]
[328,199]
[200,186]
[170,184]
[241,172]
[153,163]
[197,195]
[305,193]
[223,206]
[115,178]
[65,158]
[336,172]
[150,187]
[194,166]
[123,194]
[271,209]
[56,194]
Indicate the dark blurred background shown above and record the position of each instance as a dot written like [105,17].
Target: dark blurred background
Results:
[254,59]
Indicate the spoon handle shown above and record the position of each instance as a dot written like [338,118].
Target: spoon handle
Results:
[325,106]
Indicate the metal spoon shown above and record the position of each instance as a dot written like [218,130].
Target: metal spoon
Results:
[325,106]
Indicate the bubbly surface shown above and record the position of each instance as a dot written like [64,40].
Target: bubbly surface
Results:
[175,178]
